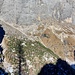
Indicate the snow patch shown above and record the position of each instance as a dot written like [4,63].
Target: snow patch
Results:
[32,44]
[29,64]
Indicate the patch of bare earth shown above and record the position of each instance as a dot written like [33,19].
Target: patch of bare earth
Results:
[52,42]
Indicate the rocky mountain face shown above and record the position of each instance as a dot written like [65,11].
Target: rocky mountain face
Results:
[58,37]
[34,56]
[26,12]
[51,22]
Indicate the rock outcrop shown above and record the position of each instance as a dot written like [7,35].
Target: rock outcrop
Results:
[26,12]
[51,22]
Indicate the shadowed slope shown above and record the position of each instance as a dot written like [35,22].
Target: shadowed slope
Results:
[61,68]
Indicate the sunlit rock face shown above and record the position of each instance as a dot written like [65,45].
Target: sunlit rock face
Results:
[26,12]
[44,21]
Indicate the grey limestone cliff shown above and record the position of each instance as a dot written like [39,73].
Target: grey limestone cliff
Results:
[26,12]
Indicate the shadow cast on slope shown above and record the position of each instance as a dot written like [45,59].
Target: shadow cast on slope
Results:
[61,68]
[2,33]
[73,66]
[2,72]
[1,49]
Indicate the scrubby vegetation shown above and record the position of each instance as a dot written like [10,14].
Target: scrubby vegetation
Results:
[33,55]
